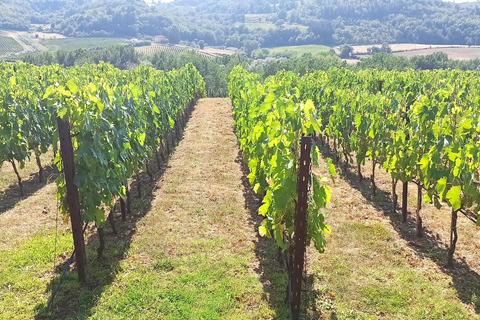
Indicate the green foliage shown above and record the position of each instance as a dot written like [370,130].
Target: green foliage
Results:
[421,126]
[117,119]
[229,23]
[214,71]
[119,56]
[346,51]
[270,119]
[385,61]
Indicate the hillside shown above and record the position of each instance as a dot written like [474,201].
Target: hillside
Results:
[268,23]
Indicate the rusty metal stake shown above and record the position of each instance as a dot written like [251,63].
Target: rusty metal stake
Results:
[300,233]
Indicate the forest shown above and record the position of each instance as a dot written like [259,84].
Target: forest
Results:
[224,23]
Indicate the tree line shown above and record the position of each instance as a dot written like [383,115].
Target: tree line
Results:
[222,22]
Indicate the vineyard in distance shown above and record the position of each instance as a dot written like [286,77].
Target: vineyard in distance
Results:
[339,194]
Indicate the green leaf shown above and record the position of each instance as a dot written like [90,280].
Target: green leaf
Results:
[321,194]
[279,238]
[62,112]
[267,200]
[314,154]
[466,124]
[424,162]
[171,122]
[48,92]
[263,231]
[331,169]
[72,86]
[454,197]
[441,184]
[328,193]
[141,138]
[281,198]
[12,82]
[99,217]
[427,198]
[358,120]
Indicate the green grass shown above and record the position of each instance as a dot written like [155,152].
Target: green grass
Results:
[299,50]
[177,290]
[78,43]
[262,25]
[271,26]
[373,279]
[25,273]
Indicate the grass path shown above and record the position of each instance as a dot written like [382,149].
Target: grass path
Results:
[193,254]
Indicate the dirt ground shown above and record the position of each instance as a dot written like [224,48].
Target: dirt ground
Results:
[218,51]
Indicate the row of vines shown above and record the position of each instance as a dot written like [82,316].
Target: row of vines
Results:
[270,119]
[117,120]
[419,126]
[9,45]
[153,49]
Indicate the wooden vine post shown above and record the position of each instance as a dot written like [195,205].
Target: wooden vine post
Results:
[404,201]
[453,238]
[300,233]
[66,153]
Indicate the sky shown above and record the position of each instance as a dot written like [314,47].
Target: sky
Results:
[458,1]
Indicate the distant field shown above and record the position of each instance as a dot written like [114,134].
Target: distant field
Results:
[271,26]
[257,18]
[400,47]
[453,53]
[8,45]
[150,50]
[456,52]
[77,43]
[299,50]
[263,25]
[207,52]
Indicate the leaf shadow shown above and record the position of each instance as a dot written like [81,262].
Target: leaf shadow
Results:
[465,281]
[11,196]
[76,301]
[272,266]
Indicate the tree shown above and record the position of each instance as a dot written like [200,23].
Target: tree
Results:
[346,51]
[386,48]
[250,45]
[282,15]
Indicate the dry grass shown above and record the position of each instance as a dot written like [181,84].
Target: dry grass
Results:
[201,195]
[463,53]
[198,229]
[8,178]
[22,217]
[396,47]
[28,216]
[211,50]
[376,266]
[455,52]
